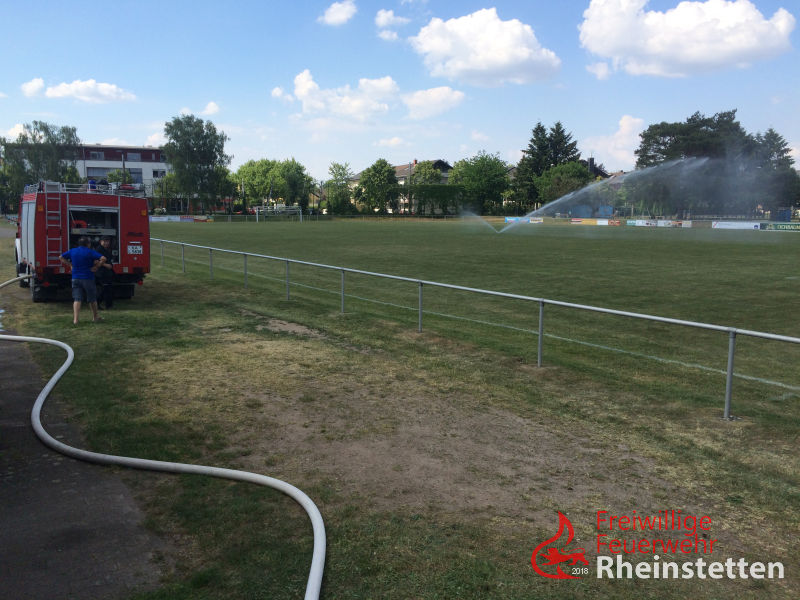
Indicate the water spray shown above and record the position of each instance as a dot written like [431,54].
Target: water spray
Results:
[601,198]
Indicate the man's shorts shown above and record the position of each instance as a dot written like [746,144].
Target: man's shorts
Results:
[84,290]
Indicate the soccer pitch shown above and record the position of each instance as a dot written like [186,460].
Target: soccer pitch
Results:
[743,279]
[440,459]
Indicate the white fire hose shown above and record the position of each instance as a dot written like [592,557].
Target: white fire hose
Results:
[318,556]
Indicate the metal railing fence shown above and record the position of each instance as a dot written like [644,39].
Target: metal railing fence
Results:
[732,332]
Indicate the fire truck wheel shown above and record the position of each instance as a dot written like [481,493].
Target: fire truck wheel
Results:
[22,270]
[37,294]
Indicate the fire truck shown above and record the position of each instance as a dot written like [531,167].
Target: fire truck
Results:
[53,216]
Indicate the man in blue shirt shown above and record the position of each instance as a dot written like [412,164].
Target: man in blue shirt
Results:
[84,262]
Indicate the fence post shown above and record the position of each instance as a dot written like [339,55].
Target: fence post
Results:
[210,263]
[541,334]
[419,327]
[183,258]
[287,280]
[162,253]
[342,291]
[245,270]
[729,379]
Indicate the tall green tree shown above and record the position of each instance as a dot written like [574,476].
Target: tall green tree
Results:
[260,179]
[41,152]
[563,149]
[378,187]
[9,201]
[546,149]
[720,136]
[226,184]
[337,188]
[420,188]
[561,180]
[738,173]
[195,150]
[297,183]
[773,150]
[484,179]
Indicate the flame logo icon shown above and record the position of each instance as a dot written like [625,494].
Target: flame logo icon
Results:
[554,556]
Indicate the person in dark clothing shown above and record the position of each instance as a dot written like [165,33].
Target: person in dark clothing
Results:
[84,262]
[104,275]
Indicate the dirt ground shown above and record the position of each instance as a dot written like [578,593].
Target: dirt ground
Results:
[387,439]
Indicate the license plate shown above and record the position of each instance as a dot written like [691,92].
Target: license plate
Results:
[134,249]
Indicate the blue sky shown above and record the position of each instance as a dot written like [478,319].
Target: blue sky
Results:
[354,81]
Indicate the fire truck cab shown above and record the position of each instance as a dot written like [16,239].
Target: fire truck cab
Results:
[53,216]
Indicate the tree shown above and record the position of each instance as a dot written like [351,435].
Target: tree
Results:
[773,150]
[119,176]
[226,185]
[258,178]
[546,149]
[536,158]
[297,183]
[424,176]
[738,173]
[484,179]
[561,180]
[41,152]
[379,189]
[195,150]
[8,199]
[720,136]
[563,149]
[338,188]
[781,186]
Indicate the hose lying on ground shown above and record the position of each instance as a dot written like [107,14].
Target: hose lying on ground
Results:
[318,556]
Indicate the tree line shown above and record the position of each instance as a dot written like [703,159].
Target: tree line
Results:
[755,169]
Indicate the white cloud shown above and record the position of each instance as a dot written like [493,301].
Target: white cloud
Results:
[693,37]
[186,111]
[339,13]
[477,136]
[280,94]
[392,142]
[32,87]
[156,139]
[615,151]
[483,50]
[90,91]
[15,131]
[429,103]
[211,108]
[386,18]
[2,95]
[388,35]
[601,70]
[370,98]
[794,152]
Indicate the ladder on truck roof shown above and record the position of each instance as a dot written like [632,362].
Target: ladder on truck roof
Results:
[53,223]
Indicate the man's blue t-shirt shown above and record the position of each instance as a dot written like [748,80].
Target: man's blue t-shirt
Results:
[82,259]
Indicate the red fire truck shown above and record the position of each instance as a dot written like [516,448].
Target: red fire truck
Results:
[53,216]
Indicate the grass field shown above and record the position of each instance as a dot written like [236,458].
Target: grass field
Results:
[439,460]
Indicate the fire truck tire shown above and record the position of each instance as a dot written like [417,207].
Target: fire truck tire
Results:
[22,270]
[37,294]
[124,291]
